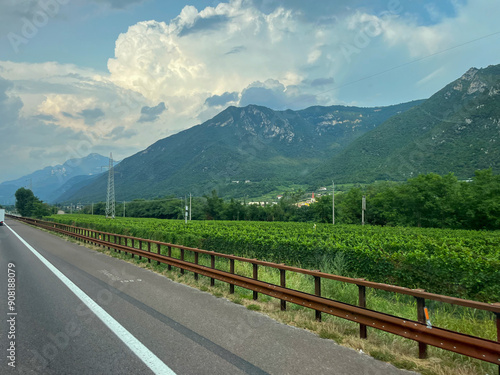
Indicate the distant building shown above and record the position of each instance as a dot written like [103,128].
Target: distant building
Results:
[258,203]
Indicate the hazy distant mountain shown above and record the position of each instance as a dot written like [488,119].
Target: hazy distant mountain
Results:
[456,130]
[256,144]
[47,182]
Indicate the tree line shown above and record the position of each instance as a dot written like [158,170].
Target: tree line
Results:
[428,200]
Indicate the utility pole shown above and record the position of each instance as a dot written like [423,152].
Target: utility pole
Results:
[124,208]
[190,206]
[363,209]
[92,205]
[333,203]
[110,201]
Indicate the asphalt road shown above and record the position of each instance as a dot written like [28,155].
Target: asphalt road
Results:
[139,322]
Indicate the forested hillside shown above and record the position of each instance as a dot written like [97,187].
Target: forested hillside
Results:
[456,130]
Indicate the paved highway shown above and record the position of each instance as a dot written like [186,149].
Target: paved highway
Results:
[77,311]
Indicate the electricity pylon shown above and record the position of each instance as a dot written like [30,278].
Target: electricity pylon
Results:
[110,201]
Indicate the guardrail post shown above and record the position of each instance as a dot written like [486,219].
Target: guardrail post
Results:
[169,254]
[182,258]
[149,250]
[256,277]
[212,265]
[158,247]
[140,247]
[132,247]
[362,303]
[196,256]
[317,291]
[497,315]
[422,348]
[119,243]
[231,270]
[283,285]
[109,240]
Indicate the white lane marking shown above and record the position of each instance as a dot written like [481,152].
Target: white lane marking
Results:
[144,354]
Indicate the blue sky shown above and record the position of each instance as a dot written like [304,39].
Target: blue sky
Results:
[82,76]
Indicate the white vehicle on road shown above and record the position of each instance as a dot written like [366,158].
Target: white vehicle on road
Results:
[2,216]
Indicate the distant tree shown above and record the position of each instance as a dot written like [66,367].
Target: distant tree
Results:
[323,209]
[215,206]
[25,200]
[234,210]
[41,209]
[28,205]
[349,206]
[484,200]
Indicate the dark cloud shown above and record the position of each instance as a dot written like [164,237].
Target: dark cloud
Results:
[45,118]
[90,116]
[263,96]
[150,114]
[120,132]
[322,82]
[204,24]
[272,94]
[218,100]
[68,115]
[236,49]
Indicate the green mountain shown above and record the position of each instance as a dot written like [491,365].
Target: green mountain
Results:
[456,130]
[241,151]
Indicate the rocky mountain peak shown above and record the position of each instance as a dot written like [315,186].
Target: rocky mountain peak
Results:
[469,74]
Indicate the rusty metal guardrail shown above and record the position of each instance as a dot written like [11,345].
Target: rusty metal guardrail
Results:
[419,331]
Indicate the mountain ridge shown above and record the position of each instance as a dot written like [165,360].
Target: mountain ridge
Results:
[252,143]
